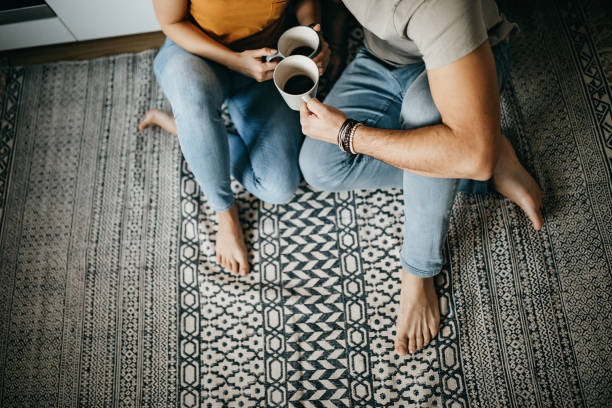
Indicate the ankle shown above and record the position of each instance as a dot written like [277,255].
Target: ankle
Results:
[414,280]
[229,217]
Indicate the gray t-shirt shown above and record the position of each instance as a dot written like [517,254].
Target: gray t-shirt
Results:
[402,32]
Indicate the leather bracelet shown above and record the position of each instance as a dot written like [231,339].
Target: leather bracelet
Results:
[342,132]
[346,135]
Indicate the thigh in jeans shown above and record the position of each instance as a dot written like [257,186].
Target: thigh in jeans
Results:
[196,89]
[369,93]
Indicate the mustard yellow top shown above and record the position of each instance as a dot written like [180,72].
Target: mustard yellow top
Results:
[241,24]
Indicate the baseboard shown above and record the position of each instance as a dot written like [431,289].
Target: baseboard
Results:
[84,49]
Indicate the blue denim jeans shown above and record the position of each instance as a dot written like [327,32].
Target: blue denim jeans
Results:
[383,96]
[263,156]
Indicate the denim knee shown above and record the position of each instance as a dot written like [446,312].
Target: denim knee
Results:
[418,107]
[188,81]
[318,168]
[280,189]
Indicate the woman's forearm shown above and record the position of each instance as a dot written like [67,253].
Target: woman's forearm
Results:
[194,40]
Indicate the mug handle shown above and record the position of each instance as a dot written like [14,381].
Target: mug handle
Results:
[306,98]
[269,58]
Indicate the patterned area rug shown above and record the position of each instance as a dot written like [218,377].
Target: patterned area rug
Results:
[111,295]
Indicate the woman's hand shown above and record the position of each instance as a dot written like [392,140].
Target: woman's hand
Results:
[322,58]
[250,63]
[320,121]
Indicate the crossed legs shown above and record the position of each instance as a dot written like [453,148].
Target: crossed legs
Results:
[262,156]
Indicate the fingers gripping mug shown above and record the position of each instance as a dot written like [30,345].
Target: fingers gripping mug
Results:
[296,78]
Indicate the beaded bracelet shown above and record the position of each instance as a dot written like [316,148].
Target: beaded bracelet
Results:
[346,134]
[342,132]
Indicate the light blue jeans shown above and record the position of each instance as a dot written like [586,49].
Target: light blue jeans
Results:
[383,96]
[263,156]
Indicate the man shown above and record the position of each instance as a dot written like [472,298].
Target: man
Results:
[426,91]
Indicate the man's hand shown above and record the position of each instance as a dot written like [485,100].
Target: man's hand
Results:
[250,63]
[320,121]
[322,58]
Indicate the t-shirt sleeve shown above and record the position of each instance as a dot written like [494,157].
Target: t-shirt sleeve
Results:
[446,30]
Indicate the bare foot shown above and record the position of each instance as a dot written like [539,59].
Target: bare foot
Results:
[418,318]
[512,181]
[231,251]
[156,117]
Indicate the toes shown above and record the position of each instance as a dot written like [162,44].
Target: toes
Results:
[234,267]
[430,331]
[535,216]
[401,347]
[419,340]
[244,266]
[537,220]
[537,225]
[532,207]
[433,330]
[412,344]
[225,263]
[244,270]
[146,121]
[426,338]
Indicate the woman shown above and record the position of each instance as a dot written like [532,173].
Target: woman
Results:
[214,53]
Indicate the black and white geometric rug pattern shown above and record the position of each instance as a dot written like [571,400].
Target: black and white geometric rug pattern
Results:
[111,295]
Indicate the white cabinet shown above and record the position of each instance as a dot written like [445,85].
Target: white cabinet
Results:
[81,20]
[89,19]
[33,33]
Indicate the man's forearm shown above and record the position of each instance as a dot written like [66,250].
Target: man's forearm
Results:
[308,12]
[466,143]
[433,151]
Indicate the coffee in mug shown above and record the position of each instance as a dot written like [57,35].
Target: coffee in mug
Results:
[296,78]
[302,50]
[298,84]
[299,40]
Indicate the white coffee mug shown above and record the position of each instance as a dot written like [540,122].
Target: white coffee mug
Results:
[293,66]
[296,37]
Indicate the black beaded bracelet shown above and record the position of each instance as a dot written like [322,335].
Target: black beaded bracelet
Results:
[346,135]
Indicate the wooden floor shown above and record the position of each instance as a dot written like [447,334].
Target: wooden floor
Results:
[84,49]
